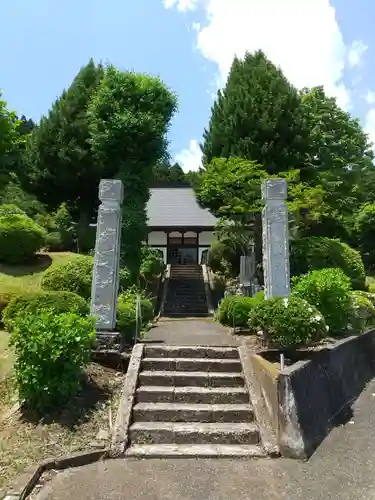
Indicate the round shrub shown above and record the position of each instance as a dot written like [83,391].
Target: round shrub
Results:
[152,264]
[20,238]
[329,291]
[363,311]
[241,308]
[49,373]
[31,303]
[73,276]
[223,312]
[287,323]
[126,314]
[316,252]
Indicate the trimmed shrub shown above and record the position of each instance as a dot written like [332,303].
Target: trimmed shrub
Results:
[365,230]
[241,308]
[20,238]
[223,312]
[73,276]
[363,311]
[126,314]
[329,291]
[287,323]
[60,228]
[315,252]
[152,264]
[51,352]
[31,303]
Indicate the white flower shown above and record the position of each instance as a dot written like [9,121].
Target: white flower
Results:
[285,300]
[327,328]
[316,319]
[310,309]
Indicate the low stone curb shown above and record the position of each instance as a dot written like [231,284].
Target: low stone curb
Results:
[120,432]
[26,482]
[267,433]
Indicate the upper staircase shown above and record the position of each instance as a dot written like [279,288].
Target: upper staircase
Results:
[186,294]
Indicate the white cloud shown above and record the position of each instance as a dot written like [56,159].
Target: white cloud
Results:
[190,158]
[370,97]
[355,53]
[302,36]
[370,124]
[182,5]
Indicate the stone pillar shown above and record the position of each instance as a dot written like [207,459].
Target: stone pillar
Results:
[105,279]
[275,239]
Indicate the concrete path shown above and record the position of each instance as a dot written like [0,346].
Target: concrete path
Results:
[194,331]
[343,468]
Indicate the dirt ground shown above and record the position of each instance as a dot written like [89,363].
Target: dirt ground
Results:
[84,424]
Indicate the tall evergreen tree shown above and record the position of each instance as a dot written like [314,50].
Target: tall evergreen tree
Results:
[258,117]
[63,169]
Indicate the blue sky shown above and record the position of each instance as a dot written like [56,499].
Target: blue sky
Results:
[190,45]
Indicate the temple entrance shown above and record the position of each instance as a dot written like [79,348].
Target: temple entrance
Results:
[182,255]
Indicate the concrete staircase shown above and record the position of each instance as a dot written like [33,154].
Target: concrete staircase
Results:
[192,402]
[186,294]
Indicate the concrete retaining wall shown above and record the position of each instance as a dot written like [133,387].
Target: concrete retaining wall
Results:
[310,396]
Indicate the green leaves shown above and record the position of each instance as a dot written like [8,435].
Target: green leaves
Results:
[51,351]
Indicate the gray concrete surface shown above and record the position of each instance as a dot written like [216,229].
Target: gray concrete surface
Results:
[195,331]
[343,468]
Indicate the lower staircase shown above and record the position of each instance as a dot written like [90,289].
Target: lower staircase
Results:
[186,295]
[192,402]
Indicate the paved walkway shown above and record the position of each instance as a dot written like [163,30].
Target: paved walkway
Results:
[343,468]
[194,331]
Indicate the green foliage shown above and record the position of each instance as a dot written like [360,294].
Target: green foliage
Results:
[10,209]
[15,195]
[329,291]
[241,308]
[234,309]
[51,352]
[126,314]
[365,231]
[258,117]
[73,276]
[336,142]
[165,173]
[32,303]
[128,121]
[125,279]
[60,229]
[9,140]
[20,238]
[152,263]
[363,311]
[58,154]
[308,254]
[287,323]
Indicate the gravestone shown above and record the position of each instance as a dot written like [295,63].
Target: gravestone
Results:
[275,233]
[105,279]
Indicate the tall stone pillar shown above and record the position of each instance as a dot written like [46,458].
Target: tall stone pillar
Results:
[275,232]
[105,279]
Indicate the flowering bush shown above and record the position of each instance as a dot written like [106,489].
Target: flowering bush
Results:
[363,311]
[287,322]
[329,291]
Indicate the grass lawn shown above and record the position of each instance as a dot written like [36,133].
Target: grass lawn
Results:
[27,278]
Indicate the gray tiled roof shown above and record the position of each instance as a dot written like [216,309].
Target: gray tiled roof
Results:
[177,207]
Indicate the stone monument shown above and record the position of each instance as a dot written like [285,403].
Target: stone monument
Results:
[275,233]
[105,278]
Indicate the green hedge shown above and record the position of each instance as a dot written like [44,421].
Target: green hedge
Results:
[32,303]
[73,276]
[287,323]
[20,238]
[316,252]
[126,314]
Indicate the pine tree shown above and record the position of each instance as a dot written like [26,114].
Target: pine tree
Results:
[258,117]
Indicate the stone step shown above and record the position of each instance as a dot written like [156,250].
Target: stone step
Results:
[193,432]
[183,351]
[180,412]
[192,364]
[197,379]
[195,451]
[206,395]
[193,314]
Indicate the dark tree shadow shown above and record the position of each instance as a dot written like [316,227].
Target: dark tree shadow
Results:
[39,263]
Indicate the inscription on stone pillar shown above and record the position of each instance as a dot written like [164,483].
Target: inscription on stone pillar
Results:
[275,233]
[105,279]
